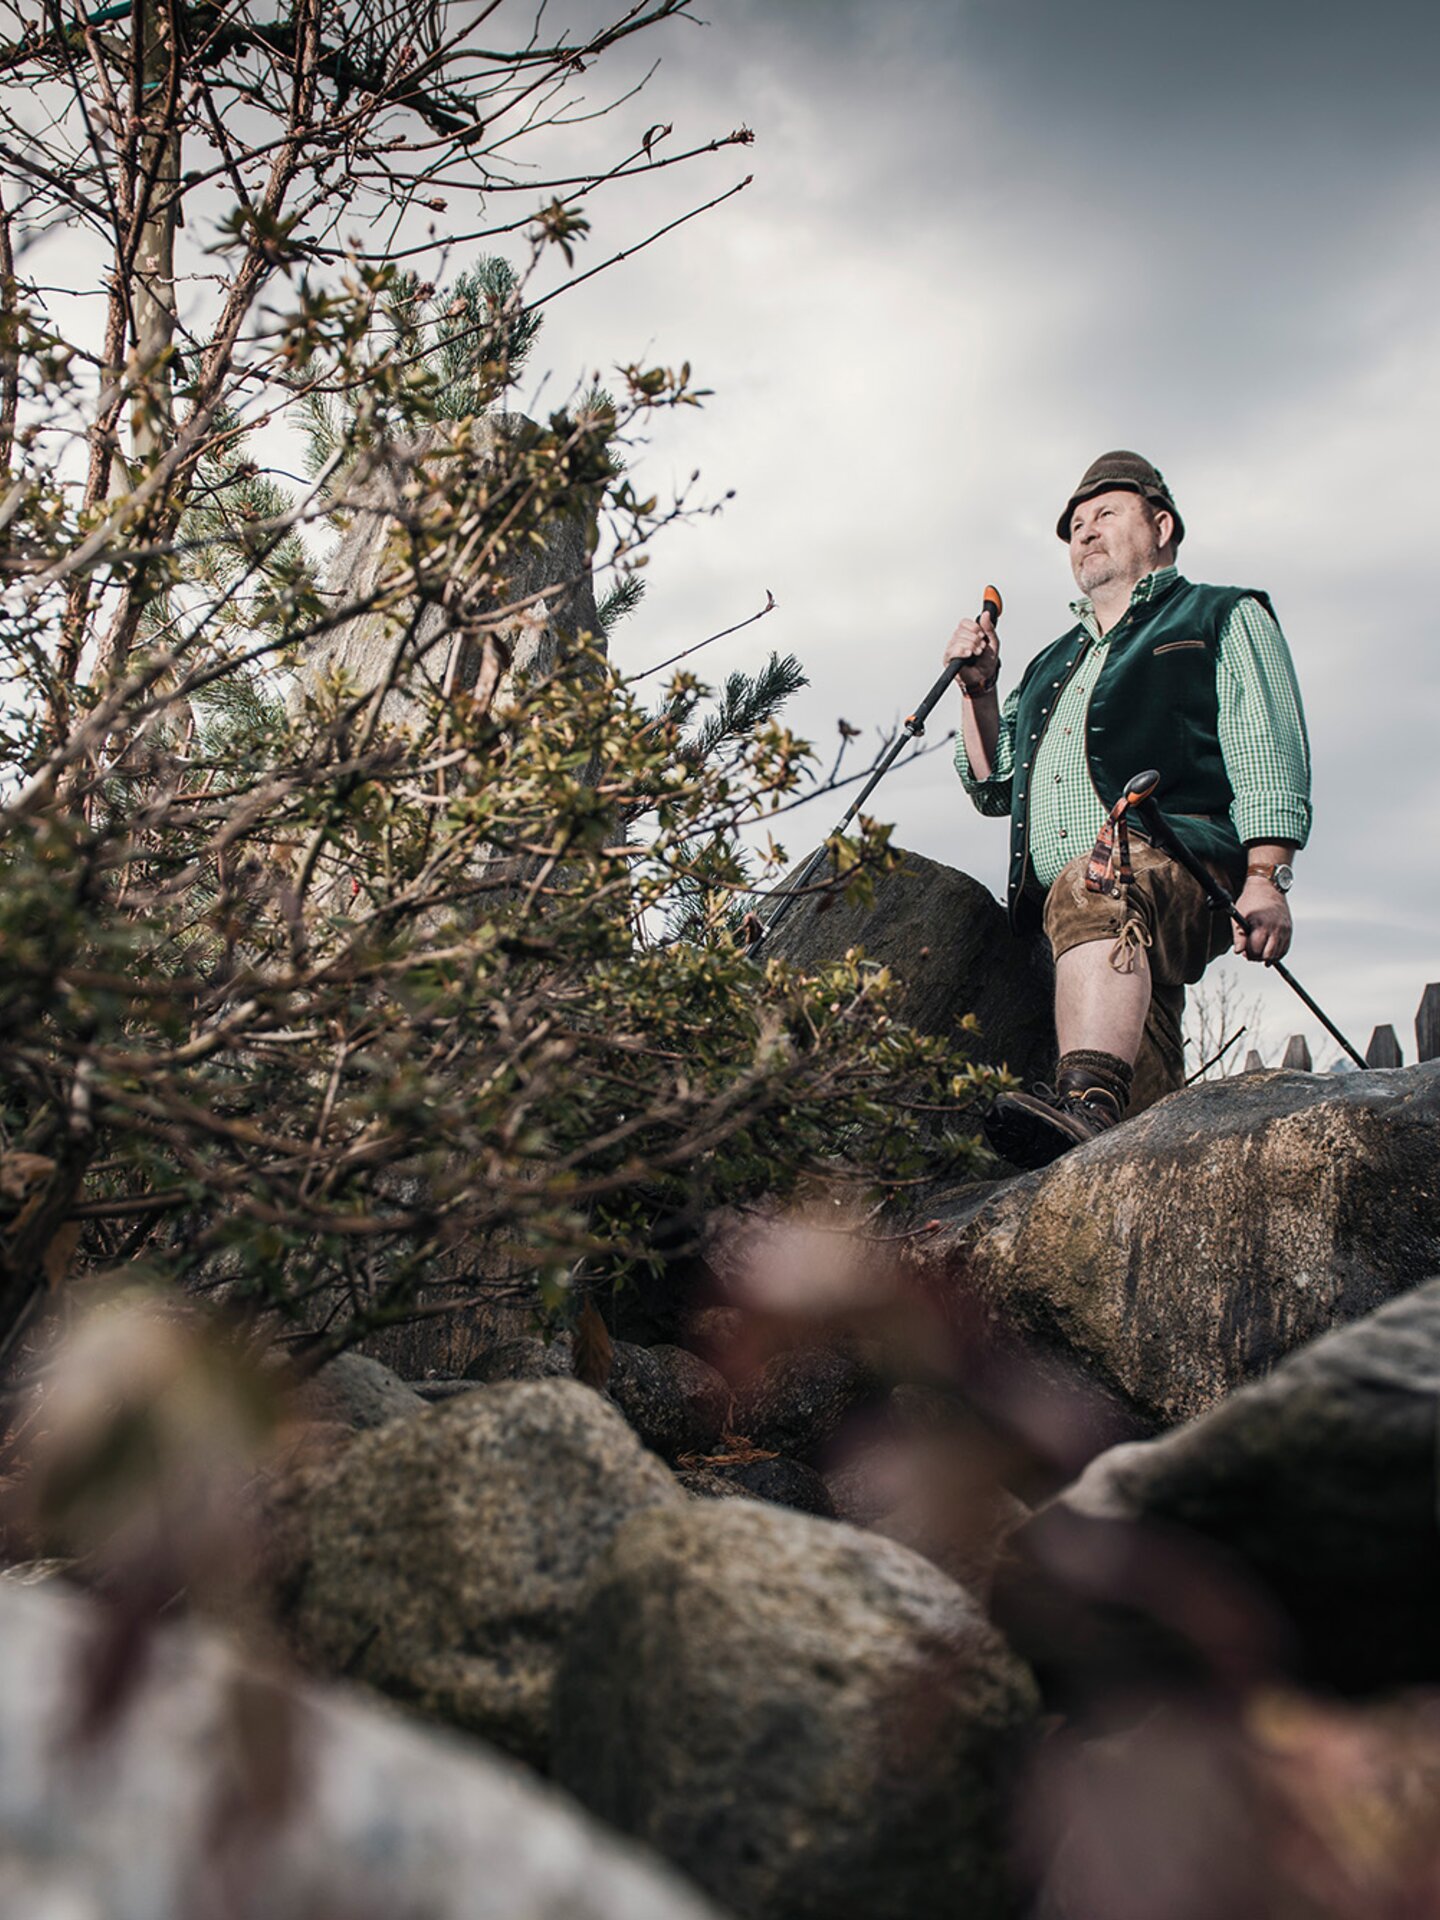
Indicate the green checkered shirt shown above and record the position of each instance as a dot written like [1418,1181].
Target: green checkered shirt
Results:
[1261,725]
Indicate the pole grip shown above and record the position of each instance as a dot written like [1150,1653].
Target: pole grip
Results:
[992,604]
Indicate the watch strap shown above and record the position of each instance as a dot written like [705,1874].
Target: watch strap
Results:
[1268,869]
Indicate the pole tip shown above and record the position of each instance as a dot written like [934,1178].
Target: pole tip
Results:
[993,604]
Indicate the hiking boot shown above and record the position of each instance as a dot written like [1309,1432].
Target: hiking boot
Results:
[1032,1129]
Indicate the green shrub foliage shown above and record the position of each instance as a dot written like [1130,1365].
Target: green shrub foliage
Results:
[296,995]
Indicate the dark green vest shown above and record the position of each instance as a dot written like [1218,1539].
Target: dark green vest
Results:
[1154,705]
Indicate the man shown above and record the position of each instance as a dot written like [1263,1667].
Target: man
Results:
[1158,672]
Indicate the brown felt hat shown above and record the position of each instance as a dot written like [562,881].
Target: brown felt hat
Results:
[1127,470]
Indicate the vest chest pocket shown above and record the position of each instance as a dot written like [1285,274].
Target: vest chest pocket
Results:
[1176,646]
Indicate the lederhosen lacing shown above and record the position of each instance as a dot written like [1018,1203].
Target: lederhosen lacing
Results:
[1108,870]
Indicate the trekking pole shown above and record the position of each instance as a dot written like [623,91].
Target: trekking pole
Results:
[914,727]
[1139,793]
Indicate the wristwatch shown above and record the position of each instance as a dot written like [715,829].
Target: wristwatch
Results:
[1279,873]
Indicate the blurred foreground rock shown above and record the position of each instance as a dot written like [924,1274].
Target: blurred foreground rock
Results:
[219,1790]
[808,1719]
[1281,1807]
[1301,1513]
[443,1558]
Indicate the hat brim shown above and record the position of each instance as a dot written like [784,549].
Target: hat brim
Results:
[1062,525]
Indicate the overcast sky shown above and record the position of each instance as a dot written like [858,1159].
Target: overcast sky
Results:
[989,239]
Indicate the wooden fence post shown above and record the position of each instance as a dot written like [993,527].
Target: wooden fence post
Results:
[1427,1023]
[1384,1049]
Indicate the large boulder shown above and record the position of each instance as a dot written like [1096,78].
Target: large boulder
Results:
[946,937]
[1186,1253]
[948,940]
[221,1789]
[809,1720]
[442,1558]
[1316,1490]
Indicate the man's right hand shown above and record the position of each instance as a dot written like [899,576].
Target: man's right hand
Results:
[976,646]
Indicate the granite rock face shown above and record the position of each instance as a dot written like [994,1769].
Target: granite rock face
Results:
[1186,1253]
[674,1402]
[357,1392]
[442,1559]
[807,1719]
[1313,1493]
[222,1789]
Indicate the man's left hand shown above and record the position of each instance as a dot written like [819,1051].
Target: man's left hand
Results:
[1268,912]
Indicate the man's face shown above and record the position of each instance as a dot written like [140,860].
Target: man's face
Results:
[1114,539]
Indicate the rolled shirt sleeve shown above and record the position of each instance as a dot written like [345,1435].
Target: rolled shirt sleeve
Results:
[992,796]
[1261,725]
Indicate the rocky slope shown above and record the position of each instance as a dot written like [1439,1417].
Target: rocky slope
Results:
[1010,1561]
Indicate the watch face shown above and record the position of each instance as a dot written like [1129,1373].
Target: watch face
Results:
[1284,877]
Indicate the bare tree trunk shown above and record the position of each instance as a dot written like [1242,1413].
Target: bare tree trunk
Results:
[157,207]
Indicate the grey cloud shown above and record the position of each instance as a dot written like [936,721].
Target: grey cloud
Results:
[988,239]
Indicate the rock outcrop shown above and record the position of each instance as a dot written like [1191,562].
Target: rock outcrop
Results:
[1312,1494]
[518,613]
[222,1789]
[1187,1253]
[546,580]
[442,1559]
[807,1719]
